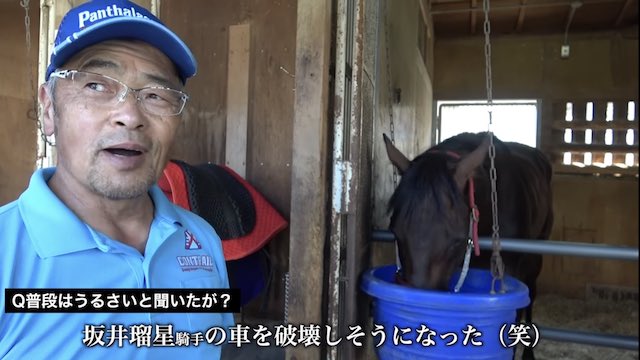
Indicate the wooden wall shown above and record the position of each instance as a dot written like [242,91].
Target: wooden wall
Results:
[401,70]
[17,101]
[592,210]
[272,27]
[602,66]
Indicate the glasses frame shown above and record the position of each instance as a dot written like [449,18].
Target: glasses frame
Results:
[184,97]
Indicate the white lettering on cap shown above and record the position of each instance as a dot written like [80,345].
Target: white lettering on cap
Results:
[108,12]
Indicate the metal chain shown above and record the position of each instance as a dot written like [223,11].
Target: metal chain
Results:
[27,23]
[286,297]
[33,113]
[497,266]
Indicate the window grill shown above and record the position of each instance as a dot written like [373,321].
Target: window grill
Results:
[595,137]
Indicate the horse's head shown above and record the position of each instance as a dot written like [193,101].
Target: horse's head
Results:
[430,214]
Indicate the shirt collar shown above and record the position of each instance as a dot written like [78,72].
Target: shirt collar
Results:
[164,209]
[53,228]
[56,230]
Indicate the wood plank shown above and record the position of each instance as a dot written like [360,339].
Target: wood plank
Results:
[590,170]
[616,126]
[269,137]
[238,97]
[309,169]
[597,148]
[579,118]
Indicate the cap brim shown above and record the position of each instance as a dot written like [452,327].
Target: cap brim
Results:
[142,29]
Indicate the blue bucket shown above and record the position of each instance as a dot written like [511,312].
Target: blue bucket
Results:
[443,317]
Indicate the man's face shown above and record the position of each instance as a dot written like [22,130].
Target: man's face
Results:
[116,151]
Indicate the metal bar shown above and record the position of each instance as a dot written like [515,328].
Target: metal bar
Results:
[341,112]
[589,338]
[561,248]
[552,247]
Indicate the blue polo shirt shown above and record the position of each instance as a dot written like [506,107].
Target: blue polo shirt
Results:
[43,244]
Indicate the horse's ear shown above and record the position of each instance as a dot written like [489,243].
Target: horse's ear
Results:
[470,162]
[397,158]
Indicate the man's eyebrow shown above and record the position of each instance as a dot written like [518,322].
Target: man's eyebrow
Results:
[99,64]
[162,81]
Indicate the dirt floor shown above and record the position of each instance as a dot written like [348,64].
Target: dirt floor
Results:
[620,318]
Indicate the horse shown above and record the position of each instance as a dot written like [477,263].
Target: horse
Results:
[430,209]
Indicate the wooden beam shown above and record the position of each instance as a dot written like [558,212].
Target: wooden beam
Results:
[238,98]
[460,7]
[592,125]
[309,175]
[597,148]
[620,16]
[591,170]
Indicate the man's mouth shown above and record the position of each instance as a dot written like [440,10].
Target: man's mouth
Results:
[124,152]
[126,149]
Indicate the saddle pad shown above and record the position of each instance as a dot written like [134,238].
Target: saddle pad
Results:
[241,216]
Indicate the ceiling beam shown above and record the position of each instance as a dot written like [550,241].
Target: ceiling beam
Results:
[520,22]
[620,16]
[439,8]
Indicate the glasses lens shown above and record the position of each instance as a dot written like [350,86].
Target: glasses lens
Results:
[98,88]
[162,101]
[103,90]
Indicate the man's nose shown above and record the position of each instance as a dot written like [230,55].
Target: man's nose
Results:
[128,111]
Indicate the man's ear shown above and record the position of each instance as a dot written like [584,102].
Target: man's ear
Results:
[48,113]
[397,158]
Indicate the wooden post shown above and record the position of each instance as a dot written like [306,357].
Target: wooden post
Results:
[309,170]
[238,98]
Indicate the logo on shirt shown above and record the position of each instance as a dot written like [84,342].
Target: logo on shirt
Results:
[195,262]
[190,241]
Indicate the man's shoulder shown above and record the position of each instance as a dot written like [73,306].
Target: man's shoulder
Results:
[192,219]
[12,206]
[9,213]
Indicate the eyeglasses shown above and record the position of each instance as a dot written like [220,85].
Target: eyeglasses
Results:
[106,91]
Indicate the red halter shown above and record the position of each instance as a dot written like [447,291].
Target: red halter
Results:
[475,213]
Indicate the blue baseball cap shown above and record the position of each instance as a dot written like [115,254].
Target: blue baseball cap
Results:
[101,20]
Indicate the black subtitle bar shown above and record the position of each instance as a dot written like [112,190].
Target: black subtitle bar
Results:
[121,300]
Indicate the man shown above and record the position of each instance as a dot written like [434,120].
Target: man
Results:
[113,99]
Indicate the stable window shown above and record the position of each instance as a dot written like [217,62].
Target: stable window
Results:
[595,137]
[512,120]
